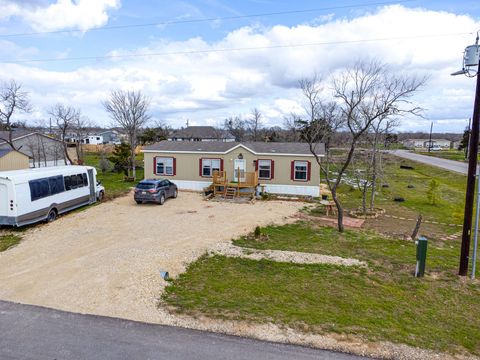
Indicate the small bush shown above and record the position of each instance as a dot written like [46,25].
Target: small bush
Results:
[433,193]
[257,232]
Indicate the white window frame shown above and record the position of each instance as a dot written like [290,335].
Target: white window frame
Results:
[166,166]
[211,165]
[265,162]
[300,163]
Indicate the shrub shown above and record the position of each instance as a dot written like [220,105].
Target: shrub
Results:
[432,193]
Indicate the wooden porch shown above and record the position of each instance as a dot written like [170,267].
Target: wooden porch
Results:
[245,186]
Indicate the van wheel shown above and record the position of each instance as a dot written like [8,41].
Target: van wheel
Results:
[162,199]
[138,202]
[52,215]
[100,196]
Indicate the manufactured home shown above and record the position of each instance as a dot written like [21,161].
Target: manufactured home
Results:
[29,196]
[279,168]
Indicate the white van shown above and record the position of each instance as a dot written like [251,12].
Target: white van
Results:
[32,195]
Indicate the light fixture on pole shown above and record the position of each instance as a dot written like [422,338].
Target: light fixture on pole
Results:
[470,68]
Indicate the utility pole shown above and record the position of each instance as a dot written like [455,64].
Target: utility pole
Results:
[430,138]
[472,170]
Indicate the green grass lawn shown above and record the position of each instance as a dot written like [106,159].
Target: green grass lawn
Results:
[458,155]
[7,241]
[381,302]
[112,181]
[451,191]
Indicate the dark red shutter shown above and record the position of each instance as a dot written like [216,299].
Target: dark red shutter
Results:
[256,165]
[174,166]
[309,170]
[154,165]
[221,164]
[272,170]
[292,170]
[200,167]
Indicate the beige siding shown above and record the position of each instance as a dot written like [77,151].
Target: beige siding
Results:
[187,166]
[14,160]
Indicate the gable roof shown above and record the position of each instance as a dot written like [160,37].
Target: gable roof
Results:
[19,134]
[220,147]
[201,132]
[6,151]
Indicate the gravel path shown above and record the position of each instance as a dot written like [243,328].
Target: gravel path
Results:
[284,256]
[105,260]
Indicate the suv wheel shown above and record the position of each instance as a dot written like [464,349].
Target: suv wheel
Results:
[162,199]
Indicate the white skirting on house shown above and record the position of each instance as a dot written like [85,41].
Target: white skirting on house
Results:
[292,189]
[269,188]
[191,185]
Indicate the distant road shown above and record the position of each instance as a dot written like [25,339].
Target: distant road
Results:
[32,332]
[451,165]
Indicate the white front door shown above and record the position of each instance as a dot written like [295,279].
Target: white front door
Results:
[239,166]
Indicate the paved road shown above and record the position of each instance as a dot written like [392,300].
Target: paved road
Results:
[32,332]
[446,164]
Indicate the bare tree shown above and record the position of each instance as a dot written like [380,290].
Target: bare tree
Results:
[80,126]
[254,123]
[128,109]
[363,94]
[65,118]
[380,127]
[237,127]
[292,123]
[12,101]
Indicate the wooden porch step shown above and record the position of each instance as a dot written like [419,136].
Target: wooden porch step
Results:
[230,193]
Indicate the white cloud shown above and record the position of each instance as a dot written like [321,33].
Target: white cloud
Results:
[63,14]
[209,87]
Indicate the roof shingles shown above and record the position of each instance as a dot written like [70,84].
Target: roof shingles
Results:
[224,147]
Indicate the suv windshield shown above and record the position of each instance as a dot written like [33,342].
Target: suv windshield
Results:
[145,186]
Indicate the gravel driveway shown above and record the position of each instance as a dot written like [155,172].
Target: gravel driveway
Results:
[105,260]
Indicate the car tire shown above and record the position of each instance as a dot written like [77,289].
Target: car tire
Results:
[52,215]
[138,202]
[100,196]
[161,201]
[175,194]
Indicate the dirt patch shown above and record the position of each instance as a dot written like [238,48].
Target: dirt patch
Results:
[106,260]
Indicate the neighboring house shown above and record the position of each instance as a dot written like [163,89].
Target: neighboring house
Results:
[13,160]
[424,143]
[111,136]
[92,140]
[201,133]
[42,150]
[283,168]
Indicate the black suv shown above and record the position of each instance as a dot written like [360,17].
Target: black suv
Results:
[155,190]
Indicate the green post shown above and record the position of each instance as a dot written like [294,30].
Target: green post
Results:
[421,243]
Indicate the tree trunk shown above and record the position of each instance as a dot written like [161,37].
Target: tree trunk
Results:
[374,172]
[339,211]
[364,199]
[132,144]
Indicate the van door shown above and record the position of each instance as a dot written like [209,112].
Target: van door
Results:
[91,182]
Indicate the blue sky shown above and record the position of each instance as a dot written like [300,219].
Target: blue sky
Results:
[427,38]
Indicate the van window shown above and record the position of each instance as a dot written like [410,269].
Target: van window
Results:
[68,182]
[39,189]
[56,184]
[85,179]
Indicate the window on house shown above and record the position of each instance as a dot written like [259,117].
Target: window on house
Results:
[265,169]
[164,166]
[300,170]
[209,166]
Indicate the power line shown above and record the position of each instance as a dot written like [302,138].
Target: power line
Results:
[190,21]
[220,50]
